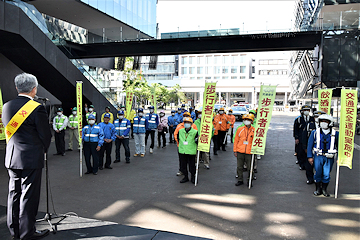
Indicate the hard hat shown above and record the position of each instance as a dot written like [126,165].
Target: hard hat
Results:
[187,119]
[172,111]
[122,106]
[140,110]
[91,106]
[151,107]
[59,109]
[326,117]
[318,113]
[120,112]
[74,109]
[305,107]
[91,116]
[230,110]
[107,107]
[107,115]
[221,109]
[248,116]
[186,114]
[253,112]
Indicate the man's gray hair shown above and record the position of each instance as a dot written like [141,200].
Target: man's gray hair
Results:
[25,82]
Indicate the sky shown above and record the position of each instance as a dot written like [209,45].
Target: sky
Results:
[189,15]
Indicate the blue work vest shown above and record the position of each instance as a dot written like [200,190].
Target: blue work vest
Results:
[93,134]
[121,127]
[172,121]
[139,125]
[152,121]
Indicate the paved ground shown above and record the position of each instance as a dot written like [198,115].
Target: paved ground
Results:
[147,200]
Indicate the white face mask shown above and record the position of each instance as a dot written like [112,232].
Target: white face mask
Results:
[140,114]
[121,116]
[74,112]
[221,112]
[324,125]
[306,113]
[91,122]
[247,122]
[199,115]
[161,114]
[151,110]
[59,113]
[179,111]
[91,109]
[173,114]
[122,109]
[187,125]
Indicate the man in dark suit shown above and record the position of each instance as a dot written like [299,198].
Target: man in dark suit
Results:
[25,159]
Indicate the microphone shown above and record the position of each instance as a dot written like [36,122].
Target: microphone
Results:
[41,98]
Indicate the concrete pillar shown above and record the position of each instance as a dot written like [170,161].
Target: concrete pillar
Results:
[285,99]
[201,97]
[195,98]
[228,103]
[219,97]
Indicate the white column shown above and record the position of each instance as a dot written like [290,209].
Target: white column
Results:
[228,103]
[201,97]
[195,98]
[285,99]
[219,97]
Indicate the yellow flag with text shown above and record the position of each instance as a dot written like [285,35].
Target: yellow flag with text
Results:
[79,108]
[347,127]
[207,117]
[324,100]
[2,129]
[264,113]
[129,100]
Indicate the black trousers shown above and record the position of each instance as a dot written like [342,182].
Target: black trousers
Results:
[152,133]
[185,160]
[215,139]
[171,134]
[90,150]
[232,134]
[60,141]
[221,139]
[301,155]
[132,130]
[23,201]
[161,135]
[125,143]
[105,147]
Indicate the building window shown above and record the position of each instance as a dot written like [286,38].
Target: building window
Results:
[225,70]
[225,77]
[233,77]
[242,69]
[200,78]
[192,78]
[217,59]
[191,60]
[208,70]
[217,70]
[226,59]
[208,60]
[200,70]
[191,70]
[184,70]
[184,60]
[252,69]
[273,62]
[234,59]
[200,60]
[242,77]
[207,78]
[242,58]
[233,69]
[217,77]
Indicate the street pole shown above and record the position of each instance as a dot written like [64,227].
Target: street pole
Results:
[197,167]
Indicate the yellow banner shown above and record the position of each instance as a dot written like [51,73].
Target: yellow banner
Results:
[129,100]
[264,113]
[153,99]
[347,127]
[2,128]
[324,99]
[79,108]
[207,117]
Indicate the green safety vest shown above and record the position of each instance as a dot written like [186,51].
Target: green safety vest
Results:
[73,121]
[87,116]
[59,121]
[188,137]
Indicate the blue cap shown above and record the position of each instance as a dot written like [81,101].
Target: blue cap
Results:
[190,108]
[107,115]
[120,112]
[140,110]
[179,109]
[91,116]
[183,105]
[172,111]
[151,107]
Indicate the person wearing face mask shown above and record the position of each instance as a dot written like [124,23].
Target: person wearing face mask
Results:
[183,108]
[321,151]
[93,139]
[295,122]
[60,122]
[172,126]
[91,112]
[140,126]
[242,147]
[73,125]
[153,120]
[107,110]
[222,125]
[122,128]
[232,120]
[316,123]
[192,114]
[178,116]
[204,156]
[187,138]
[301,140]
[109,137]
[162,128]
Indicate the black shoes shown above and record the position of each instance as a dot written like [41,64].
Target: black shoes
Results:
[116,161]
[101,168]
[38,234]
[193,179]
[318,189]
[184,180]
[215,153]
[88,172]
[63,154]
[239,183]
[309,181]
[255,170]
[57,153]
[69,150]
[127,160]
[108,167]
[95,173]
[224,149]
[324,189]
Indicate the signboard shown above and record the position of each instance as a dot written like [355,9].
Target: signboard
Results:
[2,128]
[129,100]
[324,99]
[79,108]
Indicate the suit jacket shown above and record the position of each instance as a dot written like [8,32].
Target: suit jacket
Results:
[26,148]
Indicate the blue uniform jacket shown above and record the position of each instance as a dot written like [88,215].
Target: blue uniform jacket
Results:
[312,142]
[178,118]
[193,116]
[172,121]
[136,127]
[301,130]
[151,117]
[93,133]
[122,127]
[109,130]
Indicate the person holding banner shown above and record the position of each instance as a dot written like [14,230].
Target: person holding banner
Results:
[107,110]
[242,147]
[204,156]
[153,120]
[172,126]
[187,149]
[73,125]
[122,128]
[140,126]
[321,151]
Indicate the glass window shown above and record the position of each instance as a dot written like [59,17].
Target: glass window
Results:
[184,60]
[200,78]
[184,70]
[207,78]
[233,77]
[192,78]
[217,77]
[242,69]
[225,77]
[226,59]
[208,70]
[233,69]
[200,70]
[191,60]
[208,59]
[234,59]
[242,77]
[225,70]
[217,59]
[217,70]
[191,70]
[242,58]
[200,60]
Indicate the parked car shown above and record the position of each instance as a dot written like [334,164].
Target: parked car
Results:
[238,112]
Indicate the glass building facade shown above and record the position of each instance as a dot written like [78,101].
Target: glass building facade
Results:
[140,14]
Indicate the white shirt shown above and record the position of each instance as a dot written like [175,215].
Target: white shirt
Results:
[23,95]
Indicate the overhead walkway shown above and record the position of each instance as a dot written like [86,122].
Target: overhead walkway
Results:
[25,42]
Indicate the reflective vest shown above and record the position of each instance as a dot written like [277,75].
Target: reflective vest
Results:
[318,150]
[243,139]
[121,127]
[73,121]
[189,138]
[139,125]
[152,121]
[91,134]
[59,121]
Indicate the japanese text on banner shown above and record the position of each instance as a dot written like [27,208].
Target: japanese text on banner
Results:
[324,99]
[79,108]
[347,127]
[129,100]
[207,117]
[2,128]
[153,99]
[264,113]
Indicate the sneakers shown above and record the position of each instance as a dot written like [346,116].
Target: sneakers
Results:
[206,167]
[116,161]
[151,150]
[136,155]
[184,180]
[142,155]
[236,176]
[239,183]
[179,173]
[258,157]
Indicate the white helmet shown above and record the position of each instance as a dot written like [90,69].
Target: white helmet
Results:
[326,117]
[318,113]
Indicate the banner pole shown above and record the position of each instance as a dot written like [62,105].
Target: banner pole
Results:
[197,167]
[337,180]
[251,170]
